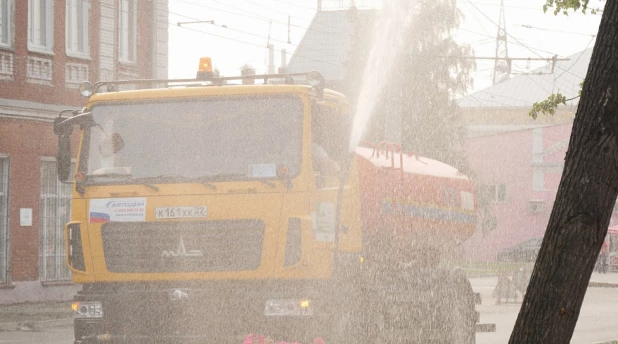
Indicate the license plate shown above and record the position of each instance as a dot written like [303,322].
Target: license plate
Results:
[288,308]
[181,212]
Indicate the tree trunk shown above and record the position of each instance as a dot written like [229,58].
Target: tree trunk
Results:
[584,202]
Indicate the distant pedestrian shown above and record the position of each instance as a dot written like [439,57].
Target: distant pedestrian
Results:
[505,289]
[521,278]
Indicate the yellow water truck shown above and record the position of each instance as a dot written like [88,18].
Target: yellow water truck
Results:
[221,209]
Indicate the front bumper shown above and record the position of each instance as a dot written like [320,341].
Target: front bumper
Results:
[208,313]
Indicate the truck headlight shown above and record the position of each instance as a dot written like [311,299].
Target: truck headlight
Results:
[89,309]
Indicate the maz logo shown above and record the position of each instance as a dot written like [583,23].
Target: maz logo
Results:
[181,251]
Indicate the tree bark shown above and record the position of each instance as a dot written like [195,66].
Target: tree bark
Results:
[584,202]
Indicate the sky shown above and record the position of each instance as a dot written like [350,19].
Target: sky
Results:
[243,28]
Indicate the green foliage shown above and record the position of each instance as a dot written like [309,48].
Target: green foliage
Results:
[430,71]
[564,5]
[547,106]
[581,87]
[435,70]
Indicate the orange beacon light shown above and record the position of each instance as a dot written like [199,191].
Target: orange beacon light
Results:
[204,70]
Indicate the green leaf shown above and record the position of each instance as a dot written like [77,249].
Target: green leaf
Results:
[565,5]
[581,87]
[547,106]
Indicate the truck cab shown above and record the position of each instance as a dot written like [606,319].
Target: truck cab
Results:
[209,210]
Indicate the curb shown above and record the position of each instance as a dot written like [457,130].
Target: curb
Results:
[34,326]
[604,285]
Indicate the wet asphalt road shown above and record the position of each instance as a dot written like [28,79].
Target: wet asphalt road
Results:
[48,336]
[597,321]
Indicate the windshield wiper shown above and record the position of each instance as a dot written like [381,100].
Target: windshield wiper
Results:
[232,177]
[125,177]
[190,179]
[271,184]
[182,178]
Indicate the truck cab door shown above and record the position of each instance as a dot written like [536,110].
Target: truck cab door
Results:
[331,162]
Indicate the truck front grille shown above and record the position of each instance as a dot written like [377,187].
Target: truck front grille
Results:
[230,245]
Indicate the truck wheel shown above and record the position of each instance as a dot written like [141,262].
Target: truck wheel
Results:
[462,316]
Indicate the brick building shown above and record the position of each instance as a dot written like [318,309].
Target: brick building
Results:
[47,47]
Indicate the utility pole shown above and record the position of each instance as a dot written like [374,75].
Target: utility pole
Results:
[271,59]
[502,63]
[289,40]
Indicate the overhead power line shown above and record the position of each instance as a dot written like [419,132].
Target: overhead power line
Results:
[277,11]
[494,37]
[515,39]
[507,34]
[560,31]
[296,5]
[502,49]
[577,59]
[267,38]
[245,42]
[538,9]
[255,17]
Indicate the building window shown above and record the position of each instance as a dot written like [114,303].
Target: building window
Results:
[40,25]
[5,23]
[4,217]
[127,31]
[494,193]
[55,213]
[77,15]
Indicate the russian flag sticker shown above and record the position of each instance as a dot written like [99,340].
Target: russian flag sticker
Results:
[99,217]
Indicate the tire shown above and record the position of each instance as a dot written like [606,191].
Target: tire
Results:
[462,318]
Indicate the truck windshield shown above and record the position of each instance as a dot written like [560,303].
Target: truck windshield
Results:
[215,138]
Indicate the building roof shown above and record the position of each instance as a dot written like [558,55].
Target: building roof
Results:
[325,45]
[481,130]
[525,90]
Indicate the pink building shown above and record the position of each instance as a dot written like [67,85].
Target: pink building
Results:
[518,160]
[519,171]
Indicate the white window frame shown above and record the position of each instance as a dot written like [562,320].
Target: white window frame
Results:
[496,193]
[127,31]
[61,271]
[4,219]
[77,17]
[35,41]
[6,23]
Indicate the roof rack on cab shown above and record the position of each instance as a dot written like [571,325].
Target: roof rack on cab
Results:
[206,77]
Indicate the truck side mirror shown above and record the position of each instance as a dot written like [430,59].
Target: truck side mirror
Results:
[63,159]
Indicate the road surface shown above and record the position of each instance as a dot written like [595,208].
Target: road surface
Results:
[597,321]
[62,335]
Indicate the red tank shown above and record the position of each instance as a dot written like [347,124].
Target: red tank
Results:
[413,204]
